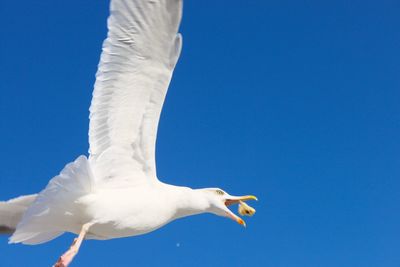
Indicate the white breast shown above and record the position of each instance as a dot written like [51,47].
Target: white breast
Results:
[128,211]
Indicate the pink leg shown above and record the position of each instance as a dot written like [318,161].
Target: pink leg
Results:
[69,255]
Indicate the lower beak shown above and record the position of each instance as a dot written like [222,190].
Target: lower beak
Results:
[236,218]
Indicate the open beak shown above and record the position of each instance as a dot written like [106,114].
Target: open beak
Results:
[231,200]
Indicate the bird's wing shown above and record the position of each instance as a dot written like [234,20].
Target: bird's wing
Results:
[136,65]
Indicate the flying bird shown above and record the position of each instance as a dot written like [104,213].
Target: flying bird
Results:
[114,192]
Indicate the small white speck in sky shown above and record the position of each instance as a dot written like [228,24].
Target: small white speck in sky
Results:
[178,245]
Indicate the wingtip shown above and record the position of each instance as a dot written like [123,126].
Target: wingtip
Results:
[6,230]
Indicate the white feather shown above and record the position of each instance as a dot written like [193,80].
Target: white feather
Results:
[56,209]
[11,211]
[135,69]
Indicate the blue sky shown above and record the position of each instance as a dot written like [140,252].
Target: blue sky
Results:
[296,102]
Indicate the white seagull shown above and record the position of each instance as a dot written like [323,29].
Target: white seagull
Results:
[114,192]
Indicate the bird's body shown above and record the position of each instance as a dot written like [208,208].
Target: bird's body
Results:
[74,198]
[128,214]
[114,192]
[138,210]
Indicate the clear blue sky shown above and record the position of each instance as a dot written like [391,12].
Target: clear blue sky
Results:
[296,102]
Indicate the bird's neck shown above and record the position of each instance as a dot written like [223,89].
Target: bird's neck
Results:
[189,202]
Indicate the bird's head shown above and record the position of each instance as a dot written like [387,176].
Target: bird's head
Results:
[219,201]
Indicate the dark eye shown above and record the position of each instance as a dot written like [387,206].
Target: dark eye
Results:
[219,192]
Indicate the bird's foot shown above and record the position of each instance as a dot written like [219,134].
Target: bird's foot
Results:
[66,258]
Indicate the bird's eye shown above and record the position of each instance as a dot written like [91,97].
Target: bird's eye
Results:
[219,192]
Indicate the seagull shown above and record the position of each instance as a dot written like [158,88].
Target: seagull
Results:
[114,192]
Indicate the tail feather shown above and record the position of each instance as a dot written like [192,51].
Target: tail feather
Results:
[11,212]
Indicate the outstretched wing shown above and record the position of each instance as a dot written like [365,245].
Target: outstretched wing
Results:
[136,65]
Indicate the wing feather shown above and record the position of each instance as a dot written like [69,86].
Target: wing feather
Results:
[136,65]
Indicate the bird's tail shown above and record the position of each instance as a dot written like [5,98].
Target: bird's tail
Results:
[11,212]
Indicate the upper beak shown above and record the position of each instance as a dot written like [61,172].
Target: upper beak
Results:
[234,200]
[230,200]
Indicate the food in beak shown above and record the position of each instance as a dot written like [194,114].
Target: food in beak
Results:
[245,210]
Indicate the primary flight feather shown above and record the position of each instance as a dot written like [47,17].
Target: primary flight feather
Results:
[115,191]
